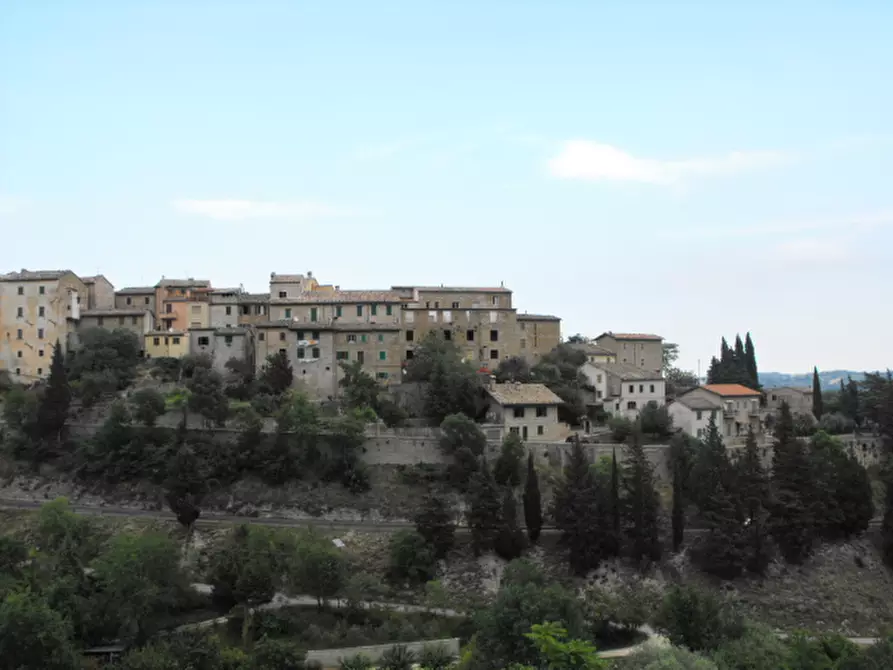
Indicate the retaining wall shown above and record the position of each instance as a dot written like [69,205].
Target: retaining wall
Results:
[331,658]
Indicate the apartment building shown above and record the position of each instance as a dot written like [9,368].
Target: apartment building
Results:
[736,409]
[223,307]
[639,349]
[137,297]
[100,292]
[183,303]
[310,351]
[166,343]
[37,309]
[254,308]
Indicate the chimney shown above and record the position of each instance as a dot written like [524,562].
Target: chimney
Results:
[309,274]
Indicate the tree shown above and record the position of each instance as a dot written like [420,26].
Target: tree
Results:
[240,378]
[247,568]
[753,492]
[513,369]
[509,540]
[206,396]
[793,514]
[434,522]
[533,505]
[295,441]
[640,503]
[32,635]
[453,385]
[849,400]
[53,411]
[669,355]
[464,440]
[105,361]
[655,420]
[817,402]
[139,582]
[484,506]
[577,513]
[750,358]
[615,508]
[147,405]
[560,371]
[507,469]
[277,375]
[359,389]
[185,487]
[412,557]
[696,619]
[679,381]
[843,487]
[68,538]
[559,653]
[318,568]
[680,464]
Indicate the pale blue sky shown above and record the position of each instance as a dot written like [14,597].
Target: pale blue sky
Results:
[691,169]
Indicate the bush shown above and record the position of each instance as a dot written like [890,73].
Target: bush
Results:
[653,657]
[269,654]
[146,405]
[699,620]
[656,420]
[358,662]
[836,424]
[412,558]
[629,605]
[759,648]
[398,657]
[621,428]
[435,657]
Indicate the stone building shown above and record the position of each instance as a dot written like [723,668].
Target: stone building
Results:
[137,297]
[528,410]
[798,399]
[37,309]
[222,344]
[737,409]
[538,335]
[137,321]
[100,292]
[254,308]
[183,303]
[623,389]
[223,307]
[640,349]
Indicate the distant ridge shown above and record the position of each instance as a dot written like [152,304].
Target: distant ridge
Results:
[830,379]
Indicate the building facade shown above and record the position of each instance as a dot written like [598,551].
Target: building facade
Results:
[183,303]
[527,410]
[737,409]
[639,349]
[137,297]
[798,399]
[623,389]
[100,292]
[137,321]
[539,334]
[166,344]
[223,344]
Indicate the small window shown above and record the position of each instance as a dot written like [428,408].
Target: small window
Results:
[598,379]
[409,354]
[341,355]
[381,337]
[523,343]
[18,371]
[700,432]
[632,388]
[299,334]
[40,353]
[774,397]
[120,320]
[361,357]
[542,411]
[196,309]
[300,352]
[283,294]
[18,354]
[455,305]
[518,412]
[641,388]
[447,316]
[100,321]
[156,341]
[652,388]
[168,308]
[204,341]
[699,414]
[381,375]
[19,334]
[494,336]
[315,352]
[389,311]
[469,336]
[20,312]
[540,430]
[432,316]
[261,336]
[229,310]
[176,340]
[21,290]
[363,338]
[40,333]
[448,335]
[134,320]
[514,430]
[410,336]
[129,301]
[359,310]
[631,404]
[351,338]
[228,340]
[42,290]
[283,351]
[314,312]
[314,335]
[382,355]
[147,301]
[282,337]
[494,354]
[288,312]
[40,371]
[373,310]
[338,311]
[436,305]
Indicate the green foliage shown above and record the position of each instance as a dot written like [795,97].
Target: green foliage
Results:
[206,396]
[559,653]
[358,662]
[656,420]
[836,423]
[753,498]
[697,619]
[533,505]
[146,406]
[818,407]
[32,635]
[560,371]
[434,522]
[453,385]
[509,541]
[185,485]
[359,389]
[513,369]
[655,657]
[435,657]
[104,362]
[735,366]
[412,558]
[464,440]
[318,567]
[640,504]
[758,648]
[679,381]
[271,654]
[582,520]
[621,428]
[22,431]
[398,657]
[247,568]
[628,605]
[507,469]
[681,458]
[277,375]
[484,507]
[69,539]
[53,410]
[844,489]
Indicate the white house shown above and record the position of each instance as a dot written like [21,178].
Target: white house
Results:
[623,389]
[528,410]
[734,407]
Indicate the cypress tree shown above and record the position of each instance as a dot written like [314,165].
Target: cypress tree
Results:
[818,405]
[679,466]
[577,513]
[753,489]
[713,372]
[484,508]
[640,503]
[741,375]
[612,545]
[434,522]
[533,505]
[793,514]
[509,541]
[750,358]
[53,410]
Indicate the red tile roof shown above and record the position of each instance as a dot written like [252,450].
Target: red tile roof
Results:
[730,390]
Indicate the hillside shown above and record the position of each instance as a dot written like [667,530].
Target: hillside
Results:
[830,378]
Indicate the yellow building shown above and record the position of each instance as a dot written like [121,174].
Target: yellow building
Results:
[166,344]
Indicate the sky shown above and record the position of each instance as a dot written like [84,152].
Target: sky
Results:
[692,169]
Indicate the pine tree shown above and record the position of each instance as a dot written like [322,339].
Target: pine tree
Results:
[714,371]
[577,513]
[793,514]
[679,467]
[484,506]
[817,402]
[533,505]
[434,522]
[509,541]
[53,410]
[640,503]
[753,492]
[843,488]
[750,358]
[613,541]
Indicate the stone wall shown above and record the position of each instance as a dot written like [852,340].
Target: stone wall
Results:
[331,658]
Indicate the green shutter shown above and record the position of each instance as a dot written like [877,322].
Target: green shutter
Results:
[382,355]
[389,310]
[313,313]
[338,311]
[374,309]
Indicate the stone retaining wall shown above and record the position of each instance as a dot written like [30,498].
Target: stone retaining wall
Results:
[331,658]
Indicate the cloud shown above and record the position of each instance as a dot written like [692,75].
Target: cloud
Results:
[237,210]
[592,161]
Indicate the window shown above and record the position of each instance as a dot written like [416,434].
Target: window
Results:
[389,310]
[156,341]
[229,310]
[18,354]
[40,371]
[373,310]
[469,335]
[427,304]
[641,388]
[261,337]
[20,312]
[494,336]
[196,309]
[282,351]
[432,316]
[632,388]
[338,311]
[652,388]
[299,334]
[447,316]
[315,335]
[631,404]
[40,353]
[495,300]
[494,317]
[494,354]
[363,338]
[129,301]
[514,430]
[540,430]
[283,294]
[409,354]
[455,305]
[176,340]
[774,397]
[542,411]
[204,341]
[700,432]
[448,335]
[410,336]
[18,371]
[518,412]
[381,375]
[436,305]
[168,308]
[642,362]
[523,343]
[282,337]
[120,320]
[42,290]
[99,321]
[134,320]
[21,290]
[382,355]
[598,379]
[341,355]
[228,340]
[19,334]
[381,337]
[410,317]
[351,338]
[288,312]
[699,414]
[359,310]
[300,352]
[147,301]
[40,333]
[313,313]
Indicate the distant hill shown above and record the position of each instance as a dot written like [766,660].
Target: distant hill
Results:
[830,379]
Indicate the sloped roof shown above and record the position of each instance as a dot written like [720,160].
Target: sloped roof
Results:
[591,349]
[137,290]
[730,390]
[698,402]
[538,317]
[512,393]
[330,297]
[34,275]
[95,278]
[630,336]
[455,289]
[185,283]
[627,372]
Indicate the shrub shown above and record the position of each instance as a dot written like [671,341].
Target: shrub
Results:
[269,654]
[146,405]
[358,662]
[653,657]
[435,657]
[412,558]
[697,619]
[621,428]
[836,423]
[656,420]
[398,657]
[757,649]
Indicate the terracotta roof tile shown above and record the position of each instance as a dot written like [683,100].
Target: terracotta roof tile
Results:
[730,390]
[34,275]
[523,394]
